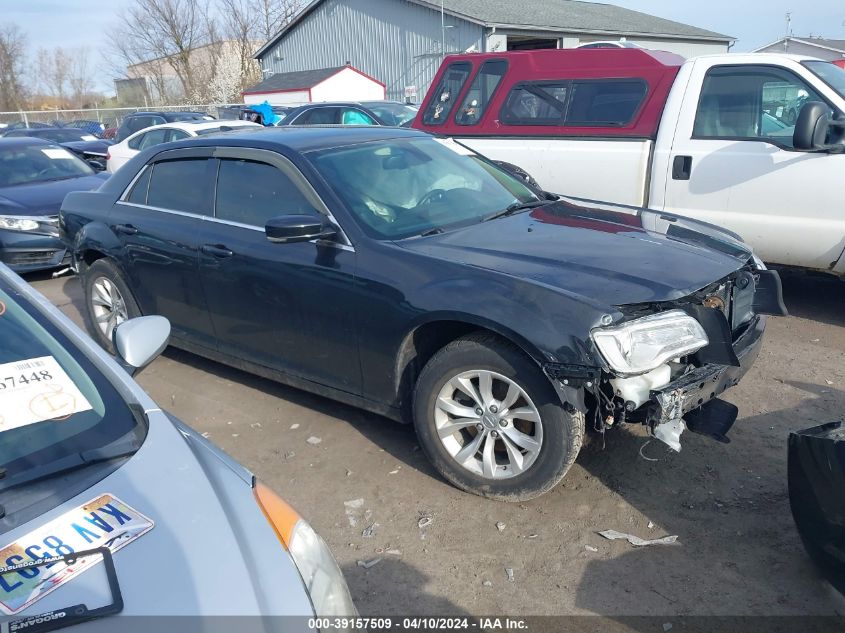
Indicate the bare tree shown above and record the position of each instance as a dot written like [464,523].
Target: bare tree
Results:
[80,80]
[164,35]
[273,15]
[12,55]
[53,66]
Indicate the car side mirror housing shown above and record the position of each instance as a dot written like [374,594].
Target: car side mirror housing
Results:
[812,126]
[96,165]
[139,341]
[303,227]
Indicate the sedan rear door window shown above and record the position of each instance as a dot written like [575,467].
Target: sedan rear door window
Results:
[250,192]
[174,185]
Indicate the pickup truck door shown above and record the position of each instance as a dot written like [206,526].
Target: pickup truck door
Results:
[732,163]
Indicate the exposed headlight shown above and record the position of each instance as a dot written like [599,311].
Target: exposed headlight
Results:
[322,577]
[643,344]
[14,223]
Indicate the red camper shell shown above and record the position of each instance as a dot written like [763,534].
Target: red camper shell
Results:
[603,92]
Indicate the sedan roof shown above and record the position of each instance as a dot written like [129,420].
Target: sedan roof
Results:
[303,138]
[20,141]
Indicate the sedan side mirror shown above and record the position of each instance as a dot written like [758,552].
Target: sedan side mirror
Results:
[304,227]
[96,165]
[140,340]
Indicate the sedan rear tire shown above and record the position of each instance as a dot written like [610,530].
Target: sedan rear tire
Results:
[108,302]
[491,422]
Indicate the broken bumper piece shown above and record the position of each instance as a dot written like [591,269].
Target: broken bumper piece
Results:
[692,397]
[817,495]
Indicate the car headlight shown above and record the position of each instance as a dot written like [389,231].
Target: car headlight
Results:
[14,223]
[758,262]
[322,577]
[641,345]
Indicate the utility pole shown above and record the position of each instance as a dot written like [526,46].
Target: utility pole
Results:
[788,32]
[442,32]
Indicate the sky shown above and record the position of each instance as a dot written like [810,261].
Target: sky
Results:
[73,23]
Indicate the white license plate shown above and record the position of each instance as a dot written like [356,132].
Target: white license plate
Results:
[103,522]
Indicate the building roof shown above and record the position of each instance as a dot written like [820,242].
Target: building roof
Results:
[821,42]
[547,15]
[297,80]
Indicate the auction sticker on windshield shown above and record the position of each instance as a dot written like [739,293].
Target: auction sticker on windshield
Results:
[104,522]
[35,390]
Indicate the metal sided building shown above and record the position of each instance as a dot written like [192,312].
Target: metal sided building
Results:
[401,42]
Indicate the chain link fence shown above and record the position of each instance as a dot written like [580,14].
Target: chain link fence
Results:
[110,117]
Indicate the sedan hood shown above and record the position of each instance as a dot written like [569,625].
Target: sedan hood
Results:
[612,254]
[211,550]
[44,198]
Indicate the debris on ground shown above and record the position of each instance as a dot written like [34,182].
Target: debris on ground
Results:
[424,522]
[532,536]
[313,440]
[590,548]
[290,454]
[509,572]
[294,426]
[366,564]
[487,583]
[205,434]
[369,531]
[353,508]
[348,473]
[393,552]
[650,525]
[636,540]
[500,526]
[255,425]
[393,472]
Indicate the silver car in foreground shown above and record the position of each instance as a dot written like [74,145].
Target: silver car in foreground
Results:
[95,478]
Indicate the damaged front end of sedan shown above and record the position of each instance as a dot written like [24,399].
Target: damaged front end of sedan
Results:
[666,363]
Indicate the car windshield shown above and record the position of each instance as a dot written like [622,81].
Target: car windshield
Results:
[28,164]
[404,187]
[393,113]
[831,74]
[54,403]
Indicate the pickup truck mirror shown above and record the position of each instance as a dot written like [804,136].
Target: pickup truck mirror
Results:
[812,127]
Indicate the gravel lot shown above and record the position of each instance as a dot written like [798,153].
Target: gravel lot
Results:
[737,554]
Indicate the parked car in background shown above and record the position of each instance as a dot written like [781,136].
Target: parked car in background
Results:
[84,144]
[139,120]
[407,275]
[92,127]
[35,176]
[122,152]
[95,473]
[19,125]
[352,113]
[691,137]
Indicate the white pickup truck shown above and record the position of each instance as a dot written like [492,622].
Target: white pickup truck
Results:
[713,138]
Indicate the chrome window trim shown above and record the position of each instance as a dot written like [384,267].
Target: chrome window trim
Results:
[172,211]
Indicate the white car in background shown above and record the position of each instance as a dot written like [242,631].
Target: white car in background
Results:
[120,153]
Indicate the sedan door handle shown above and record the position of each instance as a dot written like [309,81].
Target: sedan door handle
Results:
[125,229]
[681,167]
[216,250]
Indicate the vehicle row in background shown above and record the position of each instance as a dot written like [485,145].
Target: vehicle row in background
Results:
[84,144]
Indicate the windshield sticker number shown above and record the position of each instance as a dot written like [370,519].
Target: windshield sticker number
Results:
[57,153]
[36,390]
[104,522]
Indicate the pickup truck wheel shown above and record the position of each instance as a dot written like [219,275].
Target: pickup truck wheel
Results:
[490,421]
[108,302]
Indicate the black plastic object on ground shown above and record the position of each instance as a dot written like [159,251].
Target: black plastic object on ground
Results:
[817,495]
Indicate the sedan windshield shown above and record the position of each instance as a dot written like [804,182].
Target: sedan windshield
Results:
[831,74]
[393,113]
[54,405]
[27,164]
[399,188]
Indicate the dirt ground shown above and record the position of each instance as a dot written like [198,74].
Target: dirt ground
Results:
[737,554]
